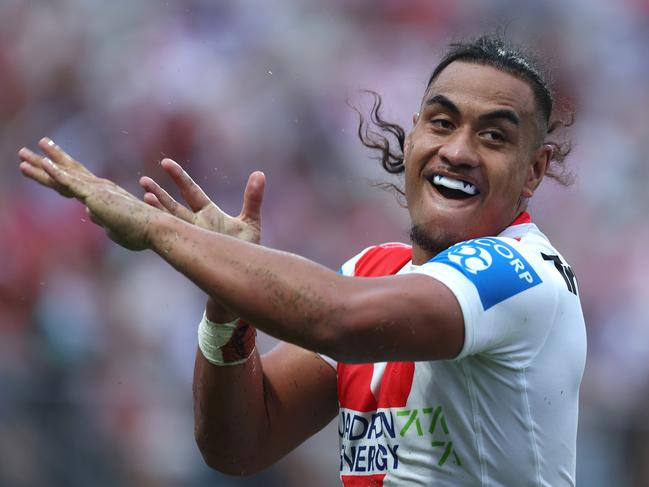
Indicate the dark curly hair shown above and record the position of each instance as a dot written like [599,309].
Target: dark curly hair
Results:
[491,51]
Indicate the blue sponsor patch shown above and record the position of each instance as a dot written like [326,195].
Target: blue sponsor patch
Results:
[496,269]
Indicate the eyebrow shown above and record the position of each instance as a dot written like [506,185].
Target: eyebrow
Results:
[445,102]
[500,114]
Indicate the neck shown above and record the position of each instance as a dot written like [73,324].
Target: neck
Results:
[420,255]
[426,246]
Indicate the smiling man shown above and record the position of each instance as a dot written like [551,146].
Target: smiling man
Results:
[454,362]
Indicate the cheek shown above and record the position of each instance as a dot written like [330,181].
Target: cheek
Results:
[510,184]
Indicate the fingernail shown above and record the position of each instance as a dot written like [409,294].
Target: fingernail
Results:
[50,142]
[48,161]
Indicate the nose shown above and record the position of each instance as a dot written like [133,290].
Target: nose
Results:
[458,149]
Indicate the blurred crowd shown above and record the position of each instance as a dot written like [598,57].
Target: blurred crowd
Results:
[97,344]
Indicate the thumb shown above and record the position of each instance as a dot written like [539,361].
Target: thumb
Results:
[253,197]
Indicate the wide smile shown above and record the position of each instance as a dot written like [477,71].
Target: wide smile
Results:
[453,188]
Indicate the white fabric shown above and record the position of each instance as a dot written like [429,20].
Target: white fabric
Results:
[509,401]
[212,337]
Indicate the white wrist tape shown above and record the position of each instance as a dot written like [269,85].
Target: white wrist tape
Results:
[212,337]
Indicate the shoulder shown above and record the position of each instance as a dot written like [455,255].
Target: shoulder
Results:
[498,267]
[507,291]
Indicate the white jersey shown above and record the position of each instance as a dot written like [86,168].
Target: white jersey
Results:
[504,411]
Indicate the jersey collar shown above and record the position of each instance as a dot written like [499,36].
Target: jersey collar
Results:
[521,225]
[523,217]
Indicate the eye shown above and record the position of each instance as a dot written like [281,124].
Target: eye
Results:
[493,136]
[442,123]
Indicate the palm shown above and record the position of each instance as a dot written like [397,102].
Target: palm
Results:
[212,218]
[202,211]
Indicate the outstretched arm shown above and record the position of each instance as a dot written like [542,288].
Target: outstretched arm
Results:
[200,204]
[410,317]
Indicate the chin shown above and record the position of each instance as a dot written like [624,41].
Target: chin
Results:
[435,240]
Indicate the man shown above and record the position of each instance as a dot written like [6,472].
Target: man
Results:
[454,362]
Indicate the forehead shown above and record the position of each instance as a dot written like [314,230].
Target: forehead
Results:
[475,86]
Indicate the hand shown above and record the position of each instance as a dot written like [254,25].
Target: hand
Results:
[202,211]
[125,218]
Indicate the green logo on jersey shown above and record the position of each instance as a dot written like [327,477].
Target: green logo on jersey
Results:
[437,430]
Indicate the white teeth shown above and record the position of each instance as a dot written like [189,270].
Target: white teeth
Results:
[457,184]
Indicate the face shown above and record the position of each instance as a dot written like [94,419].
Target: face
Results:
[473,157]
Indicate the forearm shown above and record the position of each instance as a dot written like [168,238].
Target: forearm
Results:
[411,317]
[276,291]
[249,416]
[217,312]
[230,415]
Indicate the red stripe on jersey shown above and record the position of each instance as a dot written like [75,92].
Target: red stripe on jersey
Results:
[522,218]
[354,386]
[383,260]
[354,380]
[375,480]
[396,384]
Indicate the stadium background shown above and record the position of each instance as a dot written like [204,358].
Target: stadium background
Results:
[97,344]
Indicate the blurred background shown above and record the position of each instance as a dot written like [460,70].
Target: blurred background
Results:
[97,344]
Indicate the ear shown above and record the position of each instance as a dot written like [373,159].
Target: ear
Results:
[406,146]
[536,170]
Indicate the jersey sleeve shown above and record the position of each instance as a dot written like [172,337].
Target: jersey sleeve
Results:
[506,305]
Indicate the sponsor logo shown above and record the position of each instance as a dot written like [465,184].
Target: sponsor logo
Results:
[359,449]
[370,442]
[497,269]
[473,259]
[438,429]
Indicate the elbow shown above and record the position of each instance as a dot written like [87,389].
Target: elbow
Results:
[226,459]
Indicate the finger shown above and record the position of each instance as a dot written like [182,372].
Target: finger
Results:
[166,201]
[192,192]
[59,156]
[151,199]
[30,157]
[64,181]
[92,217]
[37,174]
[253,197]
